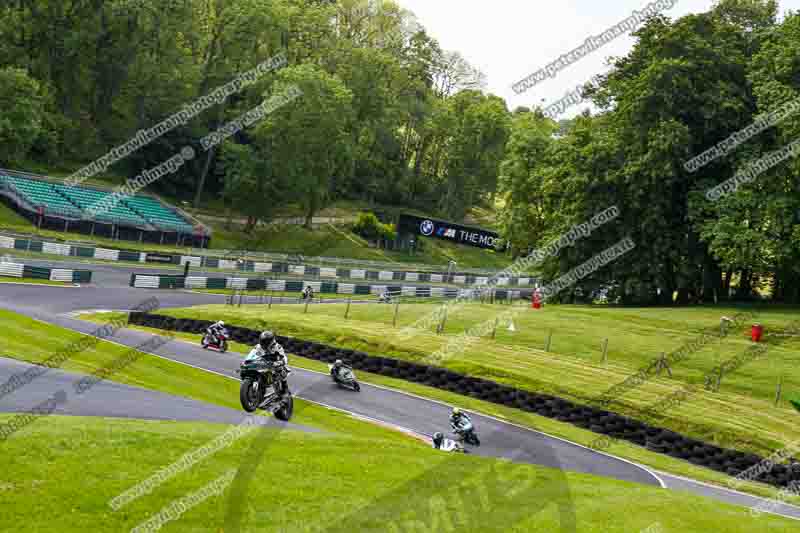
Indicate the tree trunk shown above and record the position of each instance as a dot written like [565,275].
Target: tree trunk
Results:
[203,174]
[745,289]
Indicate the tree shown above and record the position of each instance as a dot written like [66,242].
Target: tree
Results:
[308,139]
[24,102]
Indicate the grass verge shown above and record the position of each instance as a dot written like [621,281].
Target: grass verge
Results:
[547,425]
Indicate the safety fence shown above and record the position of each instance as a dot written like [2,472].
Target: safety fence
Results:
[147,281]
[665,441]
[22,271]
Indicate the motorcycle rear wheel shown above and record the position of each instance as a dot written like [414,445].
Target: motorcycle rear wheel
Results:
[286,410]
[356,386]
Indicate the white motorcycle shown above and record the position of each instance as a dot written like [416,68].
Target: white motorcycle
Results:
[345,377]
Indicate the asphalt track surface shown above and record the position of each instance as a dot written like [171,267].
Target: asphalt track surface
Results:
[55,305]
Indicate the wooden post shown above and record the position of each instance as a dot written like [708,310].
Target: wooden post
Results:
[306,307]
[549,340]
[605,350]
[396,309]
[663,365]
[347,310]
[494,330]
[444,320]
[778,390]
[270,302]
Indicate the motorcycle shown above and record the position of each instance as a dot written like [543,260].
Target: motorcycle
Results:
[466,432]
[261,381]
[218,342]
[345,377]
[385,298]
[452,446]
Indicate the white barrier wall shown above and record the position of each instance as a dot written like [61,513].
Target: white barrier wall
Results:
[60,274]
[146,282]
[196,282]
[327,272]
[193,261]
[109,255]
[345,288]
[236,283]
[56,249]
[12,270]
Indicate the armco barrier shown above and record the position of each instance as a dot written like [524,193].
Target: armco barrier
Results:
[151,281]
[201,261]
[22,271]
[731,462]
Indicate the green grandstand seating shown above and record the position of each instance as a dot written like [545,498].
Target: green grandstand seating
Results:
[132,210]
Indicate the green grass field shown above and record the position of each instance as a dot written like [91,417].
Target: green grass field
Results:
[741,415]
[352,477]
[548,425]
[66,470]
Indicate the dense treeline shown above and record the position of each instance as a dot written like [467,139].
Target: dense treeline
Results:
[687,85]
[386,115]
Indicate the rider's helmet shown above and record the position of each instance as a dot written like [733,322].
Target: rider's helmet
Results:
[338,362]
[438,437]
[266,340]
[456,411]
[221,324]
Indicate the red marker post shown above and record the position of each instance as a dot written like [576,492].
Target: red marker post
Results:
[756,332]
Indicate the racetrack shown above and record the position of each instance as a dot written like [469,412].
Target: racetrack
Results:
[422,416]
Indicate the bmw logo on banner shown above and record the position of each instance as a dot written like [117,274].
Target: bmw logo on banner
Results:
[426,227]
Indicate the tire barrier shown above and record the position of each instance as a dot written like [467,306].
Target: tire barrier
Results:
[148,281]
[612,425]
[18,270]
[112,254]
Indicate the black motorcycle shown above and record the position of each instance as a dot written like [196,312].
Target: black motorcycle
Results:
[264,387]
[345,377]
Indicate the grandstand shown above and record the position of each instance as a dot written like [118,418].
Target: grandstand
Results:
[58,206]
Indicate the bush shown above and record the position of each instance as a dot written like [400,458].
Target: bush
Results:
[369,227]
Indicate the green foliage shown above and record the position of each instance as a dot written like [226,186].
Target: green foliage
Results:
[686,85]
[369,227]
[22,122]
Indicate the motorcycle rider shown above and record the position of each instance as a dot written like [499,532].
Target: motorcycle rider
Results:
[308,293]
[214,331]
[459,419]
[338,365]
[269,350]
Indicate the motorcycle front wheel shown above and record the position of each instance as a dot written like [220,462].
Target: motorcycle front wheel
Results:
[249,396]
